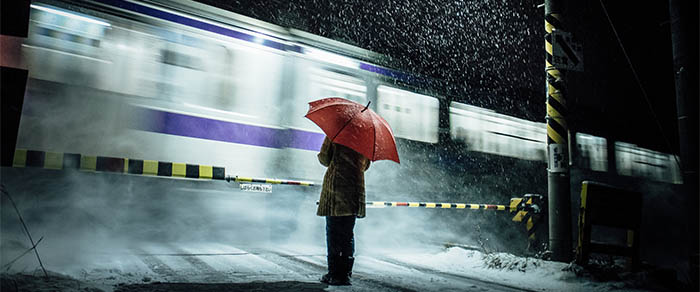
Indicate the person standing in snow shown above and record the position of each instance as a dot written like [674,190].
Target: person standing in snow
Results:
[342,201]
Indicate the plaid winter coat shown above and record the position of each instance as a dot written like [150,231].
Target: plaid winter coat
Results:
[343,192]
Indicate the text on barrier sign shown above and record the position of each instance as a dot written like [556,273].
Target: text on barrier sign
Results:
[260,188]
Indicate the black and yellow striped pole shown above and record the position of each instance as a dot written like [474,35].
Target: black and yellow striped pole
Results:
[557,143]
[381,204]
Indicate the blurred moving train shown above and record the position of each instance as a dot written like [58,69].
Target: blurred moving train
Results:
[185,82]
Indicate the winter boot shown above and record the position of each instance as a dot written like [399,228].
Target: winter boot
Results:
[340,276]
[332,269]
[351,261]
[339,280]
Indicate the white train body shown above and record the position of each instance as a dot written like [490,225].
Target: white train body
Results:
[183,82]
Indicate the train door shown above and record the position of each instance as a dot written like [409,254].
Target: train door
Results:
[411,115]
[313,82]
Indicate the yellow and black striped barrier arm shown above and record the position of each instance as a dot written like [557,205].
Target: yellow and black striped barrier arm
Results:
[557,129]
[270,181]
[380,204]
[58,160]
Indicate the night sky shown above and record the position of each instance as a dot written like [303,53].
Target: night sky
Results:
[490,53]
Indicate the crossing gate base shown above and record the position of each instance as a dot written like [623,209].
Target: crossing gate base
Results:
[528,211]
[604,205]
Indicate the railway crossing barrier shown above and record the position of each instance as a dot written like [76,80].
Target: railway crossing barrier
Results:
[58,160]
[270,181]
[528,209]
[530,212]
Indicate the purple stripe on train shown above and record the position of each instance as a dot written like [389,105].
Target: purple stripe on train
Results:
[210,129]
[304,139]
[387,72]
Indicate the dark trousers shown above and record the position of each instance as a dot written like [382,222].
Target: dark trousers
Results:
[340,239]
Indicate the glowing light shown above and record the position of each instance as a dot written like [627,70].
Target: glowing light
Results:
[70,15]
[331,58]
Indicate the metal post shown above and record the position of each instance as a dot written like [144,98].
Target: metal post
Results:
[685,65]
[557,145]
[14,26]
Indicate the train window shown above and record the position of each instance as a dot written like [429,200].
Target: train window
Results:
[633,160]
[67,25]
[592,152]
[67,36]
[486,131]
[179,59]
[331,84]
[62,31]
[240,84]
[411,115]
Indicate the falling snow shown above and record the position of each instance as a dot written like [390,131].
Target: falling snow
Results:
[482,52]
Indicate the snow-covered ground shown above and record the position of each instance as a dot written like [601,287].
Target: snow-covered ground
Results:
[506,269]
[123,233]
[210,267]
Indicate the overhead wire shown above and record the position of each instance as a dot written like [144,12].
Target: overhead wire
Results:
[639,83]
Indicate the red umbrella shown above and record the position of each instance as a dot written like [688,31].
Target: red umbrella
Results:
[356,126]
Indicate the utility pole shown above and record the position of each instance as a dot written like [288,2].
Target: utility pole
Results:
[14,27]
[557,141]
[685,69]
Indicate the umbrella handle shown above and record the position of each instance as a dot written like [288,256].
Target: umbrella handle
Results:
[363,110]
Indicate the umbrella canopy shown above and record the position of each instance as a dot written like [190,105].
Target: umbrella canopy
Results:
[356,126]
